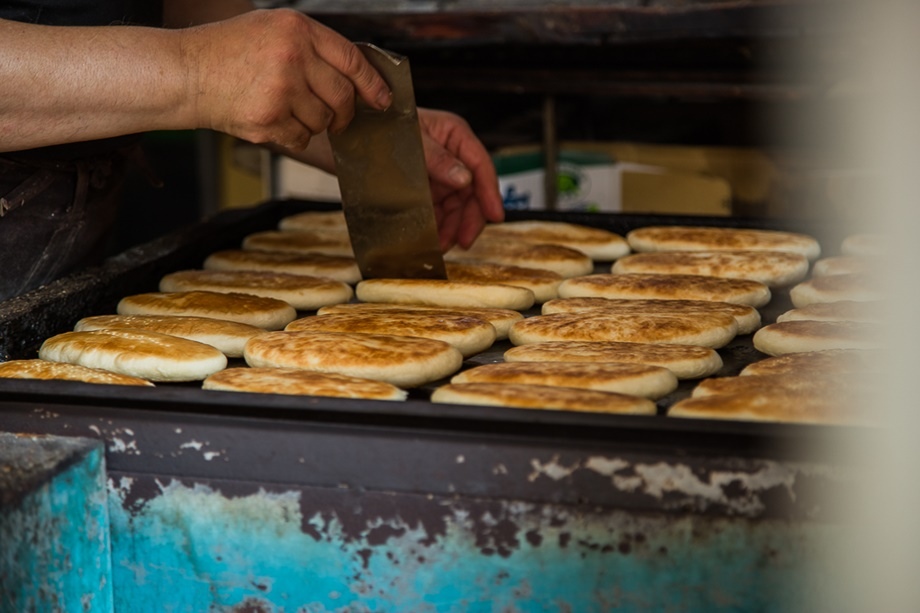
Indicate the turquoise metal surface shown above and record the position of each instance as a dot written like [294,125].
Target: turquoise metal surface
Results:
[189,548]
[54,530]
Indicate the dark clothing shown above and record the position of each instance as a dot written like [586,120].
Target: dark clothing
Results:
[58,204]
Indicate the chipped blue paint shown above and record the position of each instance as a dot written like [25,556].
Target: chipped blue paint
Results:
[190,548]
[54,539]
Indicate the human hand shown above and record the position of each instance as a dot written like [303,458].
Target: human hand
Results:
[464,184]
[277,77]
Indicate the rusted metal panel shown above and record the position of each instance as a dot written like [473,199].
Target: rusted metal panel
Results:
[54,528]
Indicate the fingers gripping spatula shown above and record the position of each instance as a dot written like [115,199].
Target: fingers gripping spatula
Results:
[384,181]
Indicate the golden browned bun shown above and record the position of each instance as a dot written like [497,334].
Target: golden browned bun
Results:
[803,336]
[667,287]
[404,361]
[800,383]
[685,361]
[834,288]
[633,379]
[543,283]
[845,265]
[302,293]
[43,369]
[844,310]
[517,395]
[501,319]
[338,267]
[747,317]
[772,268]
[703,329]
[596,243]
[561,260]
[300,242]
[451,294]
[148,355]
[228,337]
[266,313]
[833,361]
[314,221]
[470,335]
[695,238]
[300,382]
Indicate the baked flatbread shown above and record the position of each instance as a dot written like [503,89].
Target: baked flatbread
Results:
[542,397]
[228,337]
[633,379]
[834,361]
[845,265]
[596,243]
[858,287]
[43,369]
[501,319]
[800,383]
[778,405]
[864,244]
[470,335]
[300,242]
[561,260]
[747,317]
[695,238]
[148,355]
[702,329]
[265,313]
[667,287]
[300,382]
[773,268]
[404,361]
[845,310]
[302,293]
[685,361]
[543,283]
[315,221]
[451,294]
[802,336]
[339,267]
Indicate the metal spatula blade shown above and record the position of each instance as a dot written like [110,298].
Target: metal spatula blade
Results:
[383,178]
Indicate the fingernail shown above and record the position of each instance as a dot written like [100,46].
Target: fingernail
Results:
[459,175]
[384,99]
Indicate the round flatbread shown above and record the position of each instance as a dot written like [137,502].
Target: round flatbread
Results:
[667,287]
[542,397]
[864,244]
[702,329]
[778,405]
[315,221]
[685,361]
[300,242]
[470,335]
[501,319]
[228,337]
[302,293]
[834,361]
[300,382]
[596,243]
[633,379]
[857,287]
[148,355]
[543,283]
[556,258]
[845,310]
[772,268]
[451,294]
[747,317]
[265,313]
[802,336]
[404,361]
[845,265]
[43,369]
[800,383]
[696,238]
[339,267]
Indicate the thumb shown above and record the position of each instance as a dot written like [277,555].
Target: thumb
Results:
[444,167]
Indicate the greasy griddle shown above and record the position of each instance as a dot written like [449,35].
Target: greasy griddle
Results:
[28,320]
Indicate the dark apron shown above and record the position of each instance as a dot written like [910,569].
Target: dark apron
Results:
[54,216]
